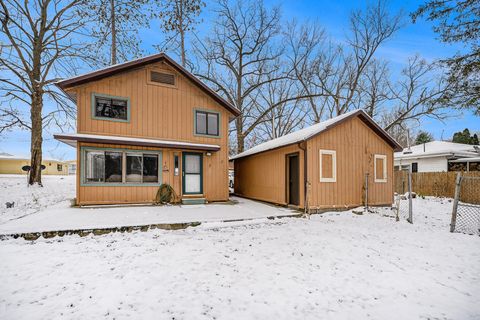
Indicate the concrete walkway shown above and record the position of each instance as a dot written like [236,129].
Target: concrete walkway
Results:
[66,219]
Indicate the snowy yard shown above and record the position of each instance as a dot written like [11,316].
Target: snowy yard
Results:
[333,266]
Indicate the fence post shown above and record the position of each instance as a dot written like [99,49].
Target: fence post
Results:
[410,213]
[455,202]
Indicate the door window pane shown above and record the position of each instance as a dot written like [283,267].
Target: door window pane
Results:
[212,124]
[192,183]
[192,163]
[94,166]
[150,168]
[113,167]
[134,168]
[201,123]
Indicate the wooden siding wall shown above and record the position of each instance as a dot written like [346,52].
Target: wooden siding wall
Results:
[263,176]
[355,145]
[157,112]
[215,180]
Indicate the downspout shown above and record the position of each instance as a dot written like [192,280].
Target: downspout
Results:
[305,180]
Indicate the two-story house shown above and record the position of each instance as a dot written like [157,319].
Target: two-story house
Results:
[147,122]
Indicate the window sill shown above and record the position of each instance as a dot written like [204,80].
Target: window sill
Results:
[206,136]
[380,181]
[119,184]
[110,119]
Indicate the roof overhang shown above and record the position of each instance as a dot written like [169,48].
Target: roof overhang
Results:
[73,138]
[64,85]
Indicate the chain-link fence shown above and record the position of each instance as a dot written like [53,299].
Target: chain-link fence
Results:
[466,205]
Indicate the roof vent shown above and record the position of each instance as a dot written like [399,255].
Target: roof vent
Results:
[161,77]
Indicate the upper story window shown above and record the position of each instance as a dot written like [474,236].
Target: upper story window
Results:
[106,107]
[207,123]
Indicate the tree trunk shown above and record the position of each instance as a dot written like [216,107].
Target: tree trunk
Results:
[36,139]
[113,59]
[240,137]
[182,34]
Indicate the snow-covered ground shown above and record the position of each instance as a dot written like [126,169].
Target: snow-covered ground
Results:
[28,200]
[332,266]
[49,209]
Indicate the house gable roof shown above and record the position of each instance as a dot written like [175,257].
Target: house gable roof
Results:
[133,64]
[316,129]
[437,149]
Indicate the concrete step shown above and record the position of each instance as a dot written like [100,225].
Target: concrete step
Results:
[194,201]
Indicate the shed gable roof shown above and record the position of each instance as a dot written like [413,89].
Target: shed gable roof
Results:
[314,130]
[122,67]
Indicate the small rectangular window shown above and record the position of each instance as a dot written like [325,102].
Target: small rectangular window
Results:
[59,167]
[207,123]
[111,108]
[380,168]
[113,167]
[150,168]
[414,167]
[175,165]
[95,166]
[328,166]
[134,168]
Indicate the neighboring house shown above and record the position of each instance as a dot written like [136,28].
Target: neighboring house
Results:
[11,164]
[331,158]
[435,156]
[147,122]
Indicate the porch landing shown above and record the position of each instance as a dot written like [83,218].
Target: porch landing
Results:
[62,219]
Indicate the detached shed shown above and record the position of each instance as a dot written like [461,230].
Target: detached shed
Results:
[331,160]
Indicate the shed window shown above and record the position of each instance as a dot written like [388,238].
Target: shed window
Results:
[118,166]
[207,123]
[110,108]
[380,168]
[328,166]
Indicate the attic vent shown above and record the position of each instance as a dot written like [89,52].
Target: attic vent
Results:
[164,78]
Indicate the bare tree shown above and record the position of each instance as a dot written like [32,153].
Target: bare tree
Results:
[114,25]
[179,17]
[38,47]
[238,58]
[415,94]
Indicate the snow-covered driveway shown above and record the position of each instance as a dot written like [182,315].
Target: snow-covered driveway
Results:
[333,266]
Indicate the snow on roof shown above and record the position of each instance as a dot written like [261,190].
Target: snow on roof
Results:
[437,148]
[8,156]
[297,136]
[472,159]
[72,138]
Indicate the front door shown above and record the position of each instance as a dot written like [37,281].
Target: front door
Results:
[293,179]
[192,173]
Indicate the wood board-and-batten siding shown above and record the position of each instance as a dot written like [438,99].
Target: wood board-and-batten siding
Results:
[157,112]
[263,176]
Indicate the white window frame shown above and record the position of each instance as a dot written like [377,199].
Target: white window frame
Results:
[333,153]
[384,158]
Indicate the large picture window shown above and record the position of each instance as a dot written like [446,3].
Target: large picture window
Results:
[110,108]
[207,123]
[118,166]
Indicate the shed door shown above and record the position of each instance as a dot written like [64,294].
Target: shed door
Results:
[293,179]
